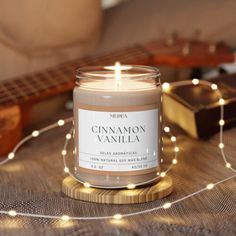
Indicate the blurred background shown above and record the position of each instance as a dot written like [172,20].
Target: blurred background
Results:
[39,34]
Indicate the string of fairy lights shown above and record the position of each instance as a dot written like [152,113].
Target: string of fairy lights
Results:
[166,87]
[159,175]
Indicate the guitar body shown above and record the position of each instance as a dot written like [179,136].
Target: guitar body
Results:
[10,128]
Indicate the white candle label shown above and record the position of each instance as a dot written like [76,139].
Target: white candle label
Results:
[118,141]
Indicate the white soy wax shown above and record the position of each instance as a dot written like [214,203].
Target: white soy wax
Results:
[117,117]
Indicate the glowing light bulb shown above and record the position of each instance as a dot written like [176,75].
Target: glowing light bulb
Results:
[68,136]
[166,87]
[131,186]
[12,213]
[117,216]
[11,155]
[167,205]
[214,87]
[210,186]
[163,174]
[63,152]
[221,145]
[166,129]
[61,122]
[174,161]
[176,149]
[173,138]
[228,165]
[195,81]
[221,101]
[74,151]
[35,133]
[65,217]
[66,170]
[87,185]
[221,122]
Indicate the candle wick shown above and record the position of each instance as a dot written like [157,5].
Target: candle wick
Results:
[117,75]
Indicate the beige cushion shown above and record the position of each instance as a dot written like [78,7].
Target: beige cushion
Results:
[39,33]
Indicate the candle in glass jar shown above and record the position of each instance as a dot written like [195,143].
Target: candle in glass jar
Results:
[117,116]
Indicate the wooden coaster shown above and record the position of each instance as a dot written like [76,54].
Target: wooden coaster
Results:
[76,190]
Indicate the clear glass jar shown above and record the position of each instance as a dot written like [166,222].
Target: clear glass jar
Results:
[117,117]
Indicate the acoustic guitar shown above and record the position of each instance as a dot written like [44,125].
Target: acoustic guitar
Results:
[17,95]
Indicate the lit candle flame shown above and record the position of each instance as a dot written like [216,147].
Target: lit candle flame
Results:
[117,68]
[117,71]
[117,74]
